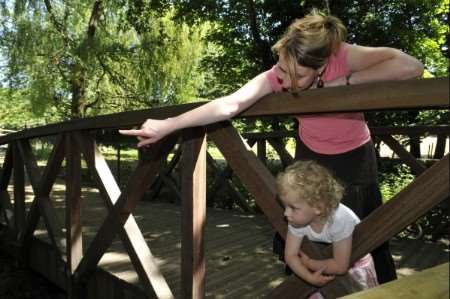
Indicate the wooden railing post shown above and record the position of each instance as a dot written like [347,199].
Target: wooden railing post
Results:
[5,176]
[19,190]
[74,242]
[440,146]
[261,148]
[193,188]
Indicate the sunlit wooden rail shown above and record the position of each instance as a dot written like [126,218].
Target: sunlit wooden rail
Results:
[6,131]
[385,134]
[77,266]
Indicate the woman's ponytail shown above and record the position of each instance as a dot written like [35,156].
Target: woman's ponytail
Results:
[312,39]
[336,31]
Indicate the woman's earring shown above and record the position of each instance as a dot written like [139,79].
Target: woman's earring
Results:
[319,82]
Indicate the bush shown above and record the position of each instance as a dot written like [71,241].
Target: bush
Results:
[393,176]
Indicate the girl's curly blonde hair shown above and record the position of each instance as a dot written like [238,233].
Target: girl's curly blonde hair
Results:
[313,183]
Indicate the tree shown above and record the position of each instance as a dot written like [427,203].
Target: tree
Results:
[245,30]
[14,110]
[418,27]
[89,57]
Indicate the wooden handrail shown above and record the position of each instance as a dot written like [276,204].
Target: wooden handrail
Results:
[410,131]
[392,95]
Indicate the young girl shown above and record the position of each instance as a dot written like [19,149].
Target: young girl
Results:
[313,54]
[311,197]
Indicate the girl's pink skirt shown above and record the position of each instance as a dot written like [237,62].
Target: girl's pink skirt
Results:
[363,272]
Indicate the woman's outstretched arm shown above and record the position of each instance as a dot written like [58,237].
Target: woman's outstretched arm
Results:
[217,110]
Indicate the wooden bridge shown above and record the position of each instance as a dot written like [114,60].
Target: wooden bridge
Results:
[75,267]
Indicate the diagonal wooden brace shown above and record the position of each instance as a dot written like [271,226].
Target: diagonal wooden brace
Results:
[417,167]
[42,185]
[118,218]
[131,236]
[253,174]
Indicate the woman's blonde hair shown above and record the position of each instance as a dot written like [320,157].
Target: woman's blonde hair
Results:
[313,183]
[310,41]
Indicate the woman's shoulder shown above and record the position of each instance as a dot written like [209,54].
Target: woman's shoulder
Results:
[338,63]
[341,51]
[343,47]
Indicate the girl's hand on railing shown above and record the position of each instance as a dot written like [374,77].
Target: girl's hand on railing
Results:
[151,131]
[319,279]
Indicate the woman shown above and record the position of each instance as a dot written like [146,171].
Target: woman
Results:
[313,54]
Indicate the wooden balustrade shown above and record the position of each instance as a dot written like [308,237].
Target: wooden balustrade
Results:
[75,142]
[277,140]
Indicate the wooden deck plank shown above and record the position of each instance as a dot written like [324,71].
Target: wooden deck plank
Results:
[430,283]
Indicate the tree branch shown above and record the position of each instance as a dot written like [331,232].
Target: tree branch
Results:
[59,26]
[259,44]
[93,21]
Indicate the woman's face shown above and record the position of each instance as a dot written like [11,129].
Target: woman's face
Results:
[305,75]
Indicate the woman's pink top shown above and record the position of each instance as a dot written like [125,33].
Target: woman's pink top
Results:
[332,133]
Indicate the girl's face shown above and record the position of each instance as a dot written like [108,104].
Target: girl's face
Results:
[297,211]
[305,75]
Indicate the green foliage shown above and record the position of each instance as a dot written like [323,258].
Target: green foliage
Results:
[82,58]
[245,31]
[393,178]
[158,65]
[418,27]
[15,110]
[86,58]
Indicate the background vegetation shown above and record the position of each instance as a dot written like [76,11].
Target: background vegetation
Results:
[79,58]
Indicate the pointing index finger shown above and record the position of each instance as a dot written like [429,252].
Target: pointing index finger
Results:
[133,132]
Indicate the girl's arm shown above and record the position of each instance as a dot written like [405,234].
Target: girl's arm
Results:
[372,64]
[217,110]
[336,265]
[292,258]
